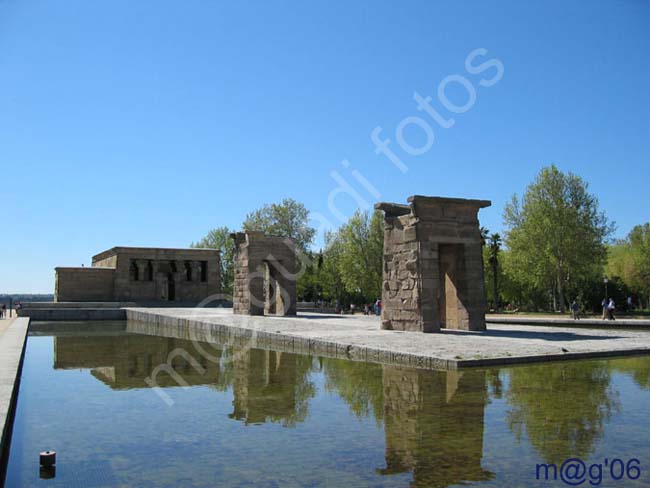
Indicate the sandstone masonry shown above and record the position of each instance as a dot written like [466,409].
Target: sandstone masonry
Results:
[142,275]
[433,265]
[265,274]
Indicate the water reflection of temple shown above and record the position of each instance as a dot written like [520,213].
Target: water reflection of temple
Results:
[270,386]
[434,425]
[433,420]
[125,361]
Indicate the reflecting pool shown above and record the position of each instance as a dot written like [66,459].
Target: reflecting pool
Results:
[123,409]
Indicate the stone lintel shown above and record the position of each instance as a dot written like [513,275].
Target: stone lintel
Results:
[393,209]
[449,201]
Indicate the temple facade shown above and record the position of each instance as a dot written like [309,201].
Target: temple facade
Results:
[142,275]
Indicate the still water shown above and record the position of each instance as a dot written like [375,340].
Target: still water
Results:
[251,417]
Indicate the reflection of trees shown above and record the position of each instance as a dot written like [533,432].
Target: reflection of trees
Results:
[637,368]
[495,383]
[561,408]
[271,386]
[358,384]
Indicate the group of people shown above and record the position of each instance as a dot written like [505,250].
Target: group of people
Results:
[608,309]
[369,309]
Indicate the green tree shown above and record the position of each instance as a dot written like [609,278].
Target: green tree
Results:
[309,288]
[360,258]
[522,294]
[220,239]
[494,246]
[288,218]
[629,259]
[556,234]
[330,279]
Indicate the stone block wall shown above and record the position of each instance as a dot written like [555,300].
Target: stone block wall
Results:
[401,293]
[143,275]
[265,274]
[83,284]
[158,274]
[433,265]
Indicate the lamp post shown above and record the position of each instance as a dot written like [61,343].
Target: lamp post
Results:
[606,281]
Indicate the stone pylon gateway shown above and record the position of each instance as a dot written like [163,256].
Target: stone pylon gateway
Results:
[265,274]
[433,265]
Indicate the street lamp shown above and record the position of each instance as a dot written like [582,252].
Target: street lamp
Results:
[606,281]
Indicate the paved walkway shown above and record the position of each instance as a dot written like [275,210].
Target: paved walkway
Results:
[554,320]
[360,338]
[5,323]
[12,342]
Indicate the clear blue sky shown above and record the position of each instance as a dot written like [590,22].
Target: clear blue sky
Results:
[148,123]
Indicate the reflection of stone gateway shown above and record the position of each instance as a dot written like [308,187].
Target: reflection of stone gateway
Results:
[434,425]
[265,274]
[270,386]
[433,265]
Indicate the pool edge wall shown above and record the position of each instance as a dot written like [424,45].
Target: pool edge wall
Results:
[12,353]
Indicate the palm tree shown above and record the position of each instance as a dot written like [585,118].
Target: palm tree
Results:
[494,248]
[485,232]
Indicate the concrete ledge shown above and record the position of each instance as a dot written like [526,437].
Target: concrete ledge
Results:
[158,322]
[87,311]
[12,350]
[75,328]
[40,305]
[360,338]
[60,313]
[569,322]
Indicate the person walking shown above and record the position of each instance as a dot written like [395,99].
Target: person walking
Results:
[3,312]
[610,309]
[604,305]
[575,310]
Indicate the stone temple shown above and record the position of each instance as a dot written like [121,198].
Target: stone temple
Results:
[433,265]
[142,275]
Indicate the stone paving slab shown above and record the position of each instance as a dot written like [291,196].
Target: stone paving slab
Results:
[360,338]
[12,344]
[5,323]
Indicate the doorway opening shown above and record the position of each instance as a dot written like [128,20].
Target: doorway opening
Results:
[452,312]
[171,287]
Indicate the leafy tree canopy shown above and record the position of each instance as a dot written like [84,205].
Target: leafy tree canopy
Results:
[357,250]
[288,218]
[556,232]
[629,259]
